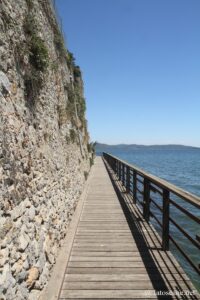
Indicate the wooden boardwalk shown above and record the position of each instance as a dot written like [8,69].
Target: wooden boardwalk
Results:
[116,255]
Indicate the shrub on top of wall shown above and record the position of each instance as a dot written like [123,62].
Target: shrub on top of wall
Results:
[77,71]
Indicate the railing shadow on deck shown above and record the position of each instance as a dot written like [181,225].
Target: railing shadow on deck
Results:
[154,269]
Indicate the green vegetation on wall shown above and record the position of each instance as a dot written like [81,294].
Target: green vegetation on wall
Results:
[73,135]
[70,59]
[29,3]
[59,44]
[77,72]
[37,52]
[38,57]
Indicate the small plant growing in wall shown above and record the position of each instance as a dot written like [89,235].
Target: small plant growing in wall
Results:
[73,135]
[90,147]
[38,58]
[91,161]
[38,51]
[86,175]
[54,66]
[77,71]
[70,59]
[29,4]
[59,44]
[62,115]
[30,26]
[81,108]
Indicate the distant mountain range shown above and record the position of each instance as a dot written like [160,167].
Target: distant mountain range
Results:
[99,147]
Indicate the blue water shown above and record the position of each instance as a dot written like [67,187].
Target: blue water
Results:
[182,168]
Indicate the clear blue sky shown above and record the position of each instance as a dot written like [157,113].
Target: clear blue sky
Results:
[141,68]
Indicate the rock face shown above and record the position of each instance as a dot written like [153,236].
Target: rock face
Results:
[44,152]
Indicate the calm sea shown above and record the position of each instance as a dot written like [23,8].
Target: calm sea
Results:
[182,168]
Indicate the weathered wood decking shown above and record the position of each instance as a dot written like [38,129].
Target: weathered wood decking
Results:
[116,254]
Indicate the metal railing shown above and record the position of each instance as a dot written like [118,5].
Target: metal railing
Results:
[144,188]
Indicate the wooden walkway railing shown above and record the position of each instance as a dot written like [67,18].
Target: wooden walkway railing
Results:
[115,252]
[139,183]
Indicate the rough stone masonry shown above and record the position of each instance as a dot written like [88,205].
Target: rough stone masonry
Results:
[45,155]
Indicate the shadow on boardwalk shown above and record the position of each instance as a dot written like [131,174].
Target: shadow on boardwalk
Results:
[165,273]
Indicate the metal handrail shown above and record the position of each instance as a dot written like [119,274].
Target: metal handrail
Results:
[128,175]
[195,200]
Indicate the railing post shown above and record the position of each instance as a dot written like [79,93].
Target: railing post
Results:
[165,229]
[120,174]
[146,200]
[134,187]
[115,166]
[127,179]
[123,173]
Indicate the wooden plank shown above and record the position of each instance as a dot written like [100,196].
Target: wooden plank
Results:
[102,209]
[108,205]
[106,253]
[125,285]
[110,245]
[118,264]
[102,240]
[96,237]
[104,222]
[102,212]
[103,218]
[106,233]
[105,248]
[64,298]
[110,240]
[137,238]
[123,277]
[137,258]
[108,294]
[108,270]
[103,205]
[103,237]
[107,285]
[129,255]
[99,236]
[103,226]
[81,230]
[107,244]
[105,258]
[115,246]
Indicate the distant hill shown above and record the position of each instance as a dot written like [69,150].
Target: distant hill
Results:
[99,147]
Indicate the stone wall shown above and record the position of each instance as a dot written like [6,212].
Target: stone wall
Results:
[44,152]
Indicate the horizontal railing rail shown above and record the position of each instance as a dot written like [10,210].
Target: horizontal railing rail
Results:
[143,188]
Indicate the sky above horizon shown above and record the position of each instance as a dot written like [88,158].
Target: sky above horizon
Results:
[140,61]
